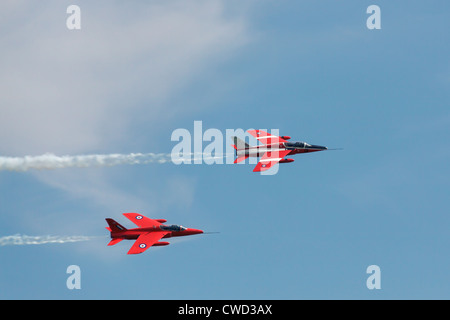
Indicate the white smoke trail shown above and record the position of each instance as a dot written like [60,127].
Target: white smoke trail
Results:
[19,239]
[50,161]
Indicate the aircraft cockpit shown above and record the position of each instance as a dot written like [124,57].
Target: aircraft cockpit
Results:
[172,228]
[296,145]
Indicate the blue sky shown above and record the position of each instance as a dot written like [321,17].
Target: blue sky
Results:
[312,70]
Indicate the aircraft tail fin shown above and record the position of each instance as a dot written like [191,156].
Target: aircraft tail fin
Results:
[240,144]
[114,226]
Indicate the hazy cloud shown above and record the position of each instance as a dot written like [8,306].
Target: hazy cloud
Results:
[69,91]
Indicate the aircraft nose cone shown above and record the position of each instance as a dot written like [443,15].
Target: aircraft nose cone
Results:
[193,231]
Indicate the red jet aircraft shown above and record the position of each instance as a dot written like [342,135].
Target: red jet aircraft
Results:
[272,151]
[148,234]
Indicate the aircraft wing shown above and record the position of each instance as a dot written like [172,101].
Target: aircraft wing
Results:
[265,137]
[145,241]
[141,221]
[269,159]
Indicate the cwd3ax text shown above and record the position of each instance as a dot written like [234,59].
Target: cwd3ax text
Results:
[247,309]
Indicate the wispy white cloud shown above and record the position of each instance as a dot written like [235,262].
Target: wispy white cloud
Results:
[75,91]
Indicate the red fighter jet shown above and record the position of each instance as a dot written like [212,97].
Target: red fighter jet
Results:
[273,149]
[148,234]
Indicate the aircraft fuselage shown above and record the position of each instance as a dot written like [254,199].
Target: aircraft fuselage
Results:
[131,234]
[294,147]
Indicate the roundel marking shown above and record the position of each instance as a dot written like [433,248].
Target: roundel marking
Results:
[142,245]
[139,217]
